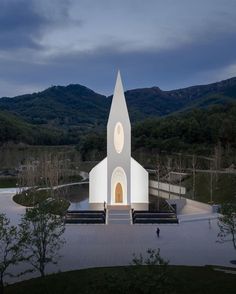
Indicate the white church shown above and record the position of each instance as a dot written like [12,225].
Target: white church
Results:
[118,179]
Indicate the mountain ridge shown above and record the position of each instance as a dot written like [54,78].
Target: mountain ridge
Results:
[74,110]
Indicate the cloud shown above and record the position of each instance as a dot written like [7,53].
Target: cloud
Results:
[24,22]
[186,65]
[8,88]
[19,24]
[168,43]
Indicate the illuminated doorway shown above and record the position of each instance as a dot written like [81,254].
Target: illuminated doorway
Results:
[118,187]
[119,193]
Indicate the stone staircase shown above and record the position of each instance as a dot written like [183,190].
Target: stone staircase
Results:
[119,214]
[85,217]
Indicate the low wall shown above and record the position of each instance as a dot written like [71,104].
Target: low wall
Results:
[163,194]
[166,187]
[171,198]
[200,205]
[181,201]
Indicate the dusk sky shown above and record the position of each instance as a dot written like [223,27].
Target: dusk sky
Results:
[165,43]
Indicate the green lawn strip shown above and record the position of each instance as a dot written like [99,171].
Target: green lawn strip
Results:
[29,197]
[55,204]
[73,179]
[224,188]
[8,182]
[203,280]
[183,279]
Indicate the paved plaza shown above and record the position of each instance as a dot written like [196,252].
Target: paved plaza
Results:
[191,242]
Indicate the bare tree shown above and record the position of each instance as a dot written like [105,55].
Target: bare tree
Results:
[169,163]
[49,171]
[218,155]
[42,232]
[194,161]
[179,168]
[158,188]
[11,245]
[211,164]
[227,224]
[212,174]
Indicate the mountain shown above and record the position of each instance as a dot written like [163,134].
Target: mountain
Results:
[75,110]
[152,102]
[75,105]
[59,106]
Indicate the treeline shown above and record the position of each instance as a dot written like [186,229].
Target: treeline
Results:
[16,130]
[197,131]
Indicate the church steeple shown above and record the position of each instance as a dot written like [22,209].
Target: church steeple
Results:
[118,148]
[118,179]
[118,106]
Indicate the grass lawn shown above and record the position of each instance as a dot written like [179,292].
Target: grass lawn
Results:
[224,187]
[55,204]
[132,279]
[8,182]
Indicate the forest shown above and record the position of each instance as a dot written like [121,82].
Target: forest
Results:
[197,131]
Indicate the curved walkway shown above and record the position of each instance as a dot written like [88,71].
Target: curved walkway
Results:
[13,210]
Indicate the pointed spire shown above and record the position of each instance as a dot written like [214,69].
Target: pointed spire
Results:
[119,86]
[118,96]
[118,105]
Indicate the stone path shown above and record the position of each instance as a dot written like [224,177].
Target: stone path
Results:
[8,206]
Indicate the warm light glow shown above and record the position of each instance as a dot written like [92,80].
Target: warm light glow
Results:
[118,185]
[119,137]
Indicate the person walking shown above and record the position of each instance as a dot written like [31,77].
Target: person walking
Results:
[158,232]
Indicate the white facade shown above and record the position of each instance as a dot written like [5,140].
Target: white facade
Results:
[139,183]
[98,184]
[118,179]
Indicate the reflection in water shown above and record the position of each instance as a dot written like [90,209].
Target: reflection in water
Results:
[81,205]
[223,184]
[78,196]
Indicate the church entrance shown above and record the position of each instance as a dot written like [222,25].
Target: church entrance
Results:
[118,193]
[118,187]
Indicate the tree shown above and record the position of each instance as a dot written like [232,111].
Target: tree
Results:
[49,171]
[155,276]
[169,163]
[194,161]
[11,244]
[42,232]
[227,224]
[153,258]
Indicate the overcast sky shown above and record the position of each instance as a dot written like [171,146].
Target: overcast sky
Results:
[165,43]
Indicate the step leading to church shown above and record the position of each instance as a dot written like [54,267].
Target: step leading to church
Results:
[119,216]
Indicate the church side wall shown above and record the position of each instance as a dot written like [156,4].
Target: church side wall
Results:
[98,183]
[139,183]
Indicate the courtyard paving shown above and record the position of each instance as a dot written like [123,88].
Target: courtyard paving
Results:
[191,242]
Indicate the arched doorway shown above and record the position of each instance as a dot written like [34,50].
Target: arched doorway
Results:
[119,193]
[118,187]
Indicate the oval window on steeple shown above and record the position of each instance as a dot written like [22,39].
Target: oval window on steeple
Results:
[119,137]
